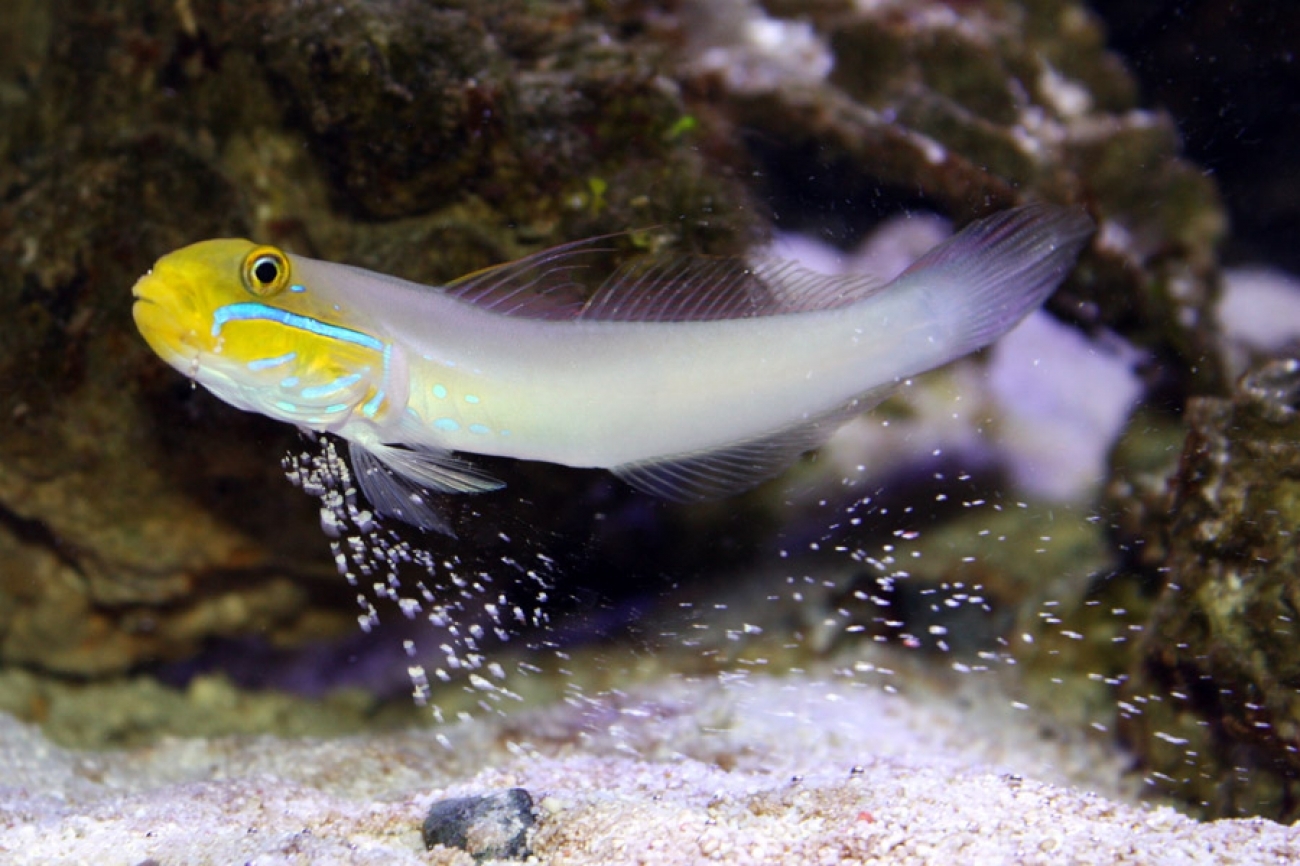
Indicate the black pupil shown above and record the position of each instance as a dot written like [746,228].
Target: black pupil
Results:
[265,271]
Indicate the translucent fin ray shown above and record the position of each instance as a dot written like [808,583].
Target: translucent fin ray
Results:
[1001,268]
[537,286]
[397,481]
[670,288]
[734,468]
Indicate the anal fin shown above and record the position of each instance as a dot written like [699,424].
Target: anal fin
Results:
[734,468]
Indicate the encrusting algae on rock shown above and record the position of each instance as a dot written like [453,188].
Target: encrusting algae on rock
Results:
[1212,709]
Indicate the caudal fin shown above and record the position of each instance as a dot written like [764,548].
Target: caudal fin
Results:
[986,278]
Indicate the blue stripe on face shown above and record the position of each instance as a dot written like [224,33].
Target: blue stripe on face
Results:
[252,311]
[267,363]
[372,405]
[317,391]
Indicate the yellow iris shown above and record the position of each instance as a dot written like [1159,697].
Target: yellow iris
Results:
[265,272]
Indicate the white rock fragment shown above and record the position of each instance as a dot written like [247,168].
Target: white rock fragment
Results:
[737,40]
[1260,307]
[1062,401]
[1069,98]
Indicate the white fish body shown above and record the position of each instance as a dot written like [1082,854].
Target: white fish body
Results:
[691,380]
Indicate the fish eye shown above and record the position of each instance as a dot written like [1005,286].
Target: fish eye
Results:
[266,271]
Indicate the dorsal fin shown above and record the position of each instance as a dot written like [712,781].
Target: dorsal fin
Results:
[537,286]
[687,288]
[669,288]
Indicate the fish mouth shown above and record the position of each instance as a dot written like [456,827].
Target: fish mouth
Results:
[156,314]
[140,291]
[161,326]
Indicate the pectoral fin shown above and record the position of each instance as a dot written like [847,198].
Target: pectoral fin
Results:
[397,481]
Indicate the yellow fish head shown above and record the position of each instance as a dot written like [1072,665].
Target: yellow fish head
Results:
[232,316]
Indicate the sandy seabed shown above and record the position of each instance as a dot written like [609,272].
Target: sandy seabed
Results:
[734,769]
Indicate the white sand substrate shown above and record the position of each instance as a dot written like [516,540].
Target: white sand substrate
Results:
[738,769]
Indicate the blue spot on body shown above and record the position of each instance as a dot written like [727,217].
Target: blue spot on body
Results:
[440,392]
[297,288]
[286,406]
[289,382]
[479,428]
[471,398]
[447,424]
[334,408]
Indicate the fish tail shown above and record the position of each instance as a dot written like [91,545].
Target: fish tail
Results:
[985,279]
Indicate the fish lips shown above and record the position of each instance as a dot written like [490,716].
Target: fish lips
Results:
[160,325]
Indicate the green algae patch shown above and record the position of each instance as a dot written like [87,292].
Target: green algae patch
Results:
[132,712]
